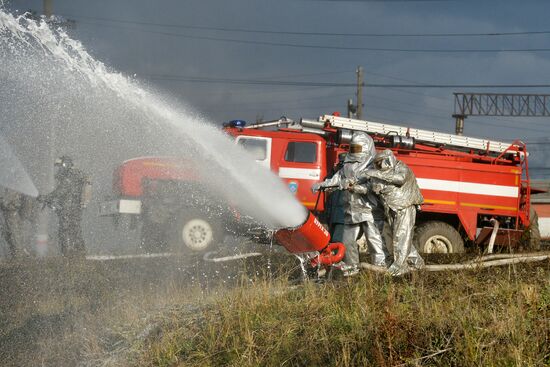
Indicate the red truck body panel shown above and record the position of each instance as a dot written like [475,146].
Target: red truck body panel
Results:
[460,186]
[128,177]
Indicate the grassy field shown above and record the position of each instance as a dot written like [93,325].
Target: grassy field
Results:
[496,317]
[150,314]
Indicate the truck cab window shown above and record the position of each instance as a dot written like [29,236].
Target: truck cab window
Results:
[301,152]
[257,147]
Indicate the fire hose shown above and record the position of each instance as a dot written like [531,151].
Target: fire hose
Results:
[477,263]
[332,254]
[209,256]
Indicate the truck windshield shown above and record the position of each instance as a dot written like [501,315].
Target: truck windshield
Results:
[301,152]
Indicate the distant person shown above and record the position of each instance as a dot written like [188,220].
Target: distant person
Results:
[12,206]
[396,184]
[71,195]
[362,210]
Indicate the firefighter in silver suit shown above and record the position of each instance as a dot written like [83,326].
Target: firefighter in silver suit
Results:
[70,196]
[396,184]
[362,209]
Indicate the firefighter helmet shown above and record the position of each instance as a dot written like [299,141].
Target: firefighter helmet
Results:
[360,142]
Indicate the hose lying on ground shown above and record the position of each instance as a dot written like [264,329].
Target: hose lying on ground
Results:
[208,256]
[507,256]
[478,263]
[123,257]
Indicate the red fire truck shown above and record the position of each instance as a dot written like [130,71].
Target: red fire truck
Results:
[474,189]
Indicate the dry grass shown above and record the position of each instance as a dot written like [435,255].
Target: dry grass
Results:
[496,317]
[148,314]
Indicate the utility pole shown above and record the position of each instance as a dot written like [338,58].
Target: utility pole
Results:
[459,126]
[351,109]
[47,12]
[359,112]
[48,8]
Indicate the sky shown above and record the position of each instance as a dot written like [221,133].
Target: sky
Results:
[201,52]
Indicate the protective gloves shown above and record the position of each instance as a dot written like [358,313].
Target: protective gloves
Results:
[372,173]
[317,186]
[347,183]
[359,189]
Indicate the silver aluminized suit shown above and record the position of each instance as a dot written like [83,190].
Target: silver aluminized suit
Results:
[362,209]
[395,182]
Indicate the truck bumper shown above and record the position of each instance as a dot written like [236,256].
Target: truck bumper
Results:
[121,206]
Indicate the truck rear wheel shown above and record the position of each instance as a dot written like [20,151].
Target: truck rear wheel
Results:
[196,232]
[435,237]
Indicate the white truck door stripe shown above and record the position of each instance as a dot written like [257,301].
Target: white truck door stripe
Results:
[468,187]
[300,173]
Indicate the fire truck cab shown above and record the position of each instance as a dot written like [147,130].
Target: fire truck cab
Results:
[298,159]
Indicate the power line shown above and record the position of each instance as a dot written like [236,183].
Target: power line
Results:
[263,91]
[311,88]
[284,110]
[406,112]
[305,75]
[301,33]
[393,77]
[517,127]
[371,107]
[538,143]
[324,47]
[400,103]
[516,122]
[280,101]
[408,81]
[190,79]
[441,118]
[405,91]
[306,89]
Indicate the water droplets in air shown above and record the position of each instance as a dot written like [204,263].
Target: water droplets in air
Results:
[64,101]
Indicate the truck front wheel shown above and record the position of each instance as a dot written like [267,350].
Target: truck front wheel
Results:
[435,237]
[194,231]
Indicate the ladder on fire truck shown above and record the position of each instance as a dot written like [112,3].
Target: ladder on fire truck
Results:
[420,136]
